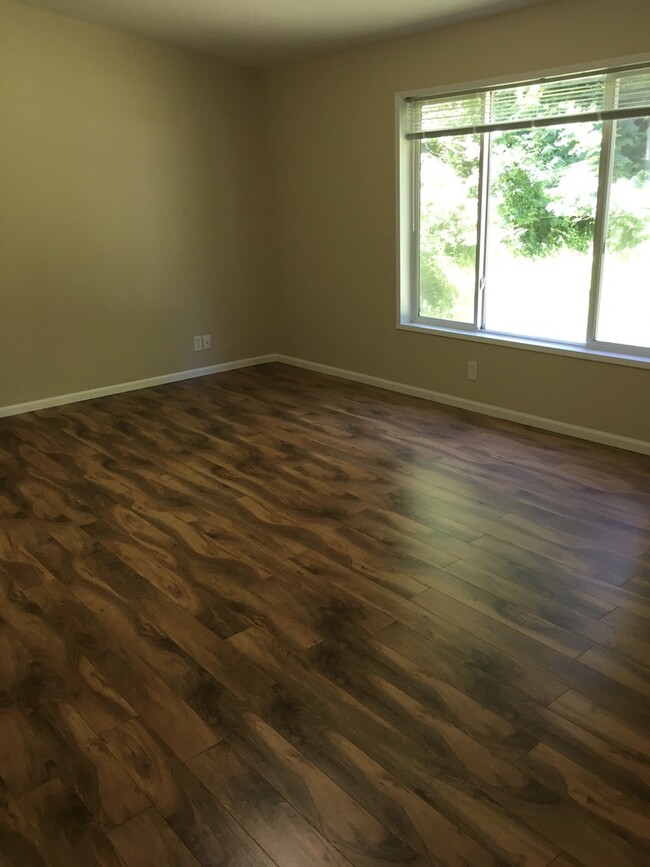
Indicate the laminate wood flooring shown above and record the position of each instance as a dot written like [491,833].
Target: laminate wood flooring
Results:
[272,617]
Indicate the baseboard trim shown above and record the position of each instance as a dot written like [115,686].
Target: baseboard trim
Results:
[549,424]
[120,388]
[561,427]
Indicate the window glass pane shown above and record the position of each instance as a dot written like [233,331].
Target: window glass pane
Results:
[449,180]
[542,209]
[624,309]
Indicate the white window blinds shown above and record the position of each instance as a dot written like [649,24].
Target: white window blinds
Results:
[602,96]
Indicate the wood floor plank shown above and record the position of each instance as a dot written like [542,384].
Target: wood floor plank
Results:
[442,632]
[358,666]
[48,650]
[565,860]
[19,563]
[336,815]
[197,819]
[562,567]
[573,493]
[25,761]
[622,678]
[605,546]
[280,829]
[273,617]
[451,795]
[620,765]
[324,614]
[64,831]
[525,620]
[629,672]
[147,841]
[560,609]
[15,659]
[17,837]
[60,743]
[619,837]
[139,683]
[619,752]
[588,595]
[640,583]
[608,725]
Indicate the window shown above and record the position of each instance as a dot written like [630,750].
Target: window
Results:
[525,212]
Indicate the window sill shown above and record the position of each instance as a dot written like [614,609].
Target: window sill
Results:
[551,348]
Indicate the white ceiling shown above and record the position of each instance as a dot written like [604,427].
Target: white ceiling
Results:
[263,32]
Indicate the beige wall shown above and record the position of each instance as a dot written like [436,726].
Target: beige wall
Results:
[332,153]
[131,211]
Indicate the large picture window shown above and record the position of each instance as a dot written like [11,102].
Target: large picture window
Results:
[525,211]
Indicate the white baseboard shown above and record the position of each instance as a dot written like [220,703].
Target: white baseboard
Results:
[561,427]
[119,388]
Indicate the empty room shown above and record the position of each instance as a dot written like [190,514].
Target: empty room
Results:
[324,433]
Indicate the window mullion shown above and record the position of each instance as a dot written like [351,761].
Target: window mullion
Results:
[481,247]
[415,230]
[481,239]
[602,207]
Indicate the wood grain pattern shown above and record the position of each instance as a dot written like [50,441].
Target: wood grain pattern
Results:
[271,617]
[280,829]
[147,841]
[196,818]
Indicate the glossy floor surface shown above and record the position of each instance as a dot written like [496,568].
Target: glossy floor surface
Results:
[270,617]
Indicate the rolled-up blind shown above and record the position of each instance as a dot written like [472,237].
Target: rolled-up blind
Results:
[601,96]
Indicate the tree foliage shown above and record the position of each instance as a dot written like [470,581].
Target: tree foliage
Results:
[532,187]
[632,150]
[531,190]
[544,185]
[449,236]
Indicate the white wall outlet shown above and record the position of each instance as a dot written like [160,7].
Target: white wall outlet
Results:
[472,370]
[207,341]
[198,344]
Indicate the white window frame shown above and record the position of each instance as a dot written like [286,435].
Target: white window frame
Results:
[408,200]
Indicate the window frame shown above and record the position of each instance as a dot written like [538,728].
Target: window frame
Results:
[408,201]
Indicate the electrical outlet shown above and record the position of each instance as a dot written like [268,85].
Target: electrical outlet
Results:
[472,370]
[207,341]
[198,344]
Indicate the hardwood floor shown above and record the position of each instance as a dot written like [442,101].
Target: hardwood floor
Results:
[270,617]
